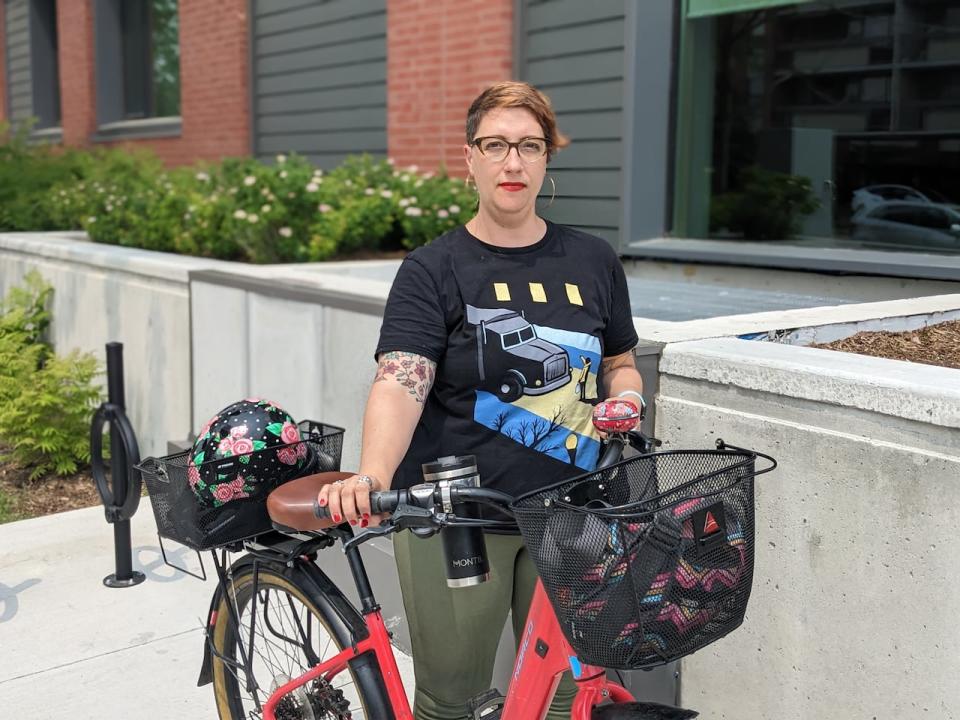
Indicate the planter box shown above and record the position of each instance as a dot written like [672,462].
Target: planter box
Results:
[855,590]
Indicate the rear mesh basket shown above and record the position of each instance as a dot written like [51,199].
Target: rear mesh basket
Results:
[179,515]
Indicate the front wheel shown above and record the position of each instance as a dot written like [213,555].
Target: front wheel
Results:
[641,711]
[284,631]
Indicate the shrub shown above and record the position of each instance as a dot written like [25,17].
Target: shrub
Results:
[769,206]
[8,512]
[239,209]
[27,174]
[24,313]
[46,401]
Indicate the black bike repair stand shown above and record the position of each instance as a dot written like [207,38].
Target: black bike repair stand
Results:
[121,494]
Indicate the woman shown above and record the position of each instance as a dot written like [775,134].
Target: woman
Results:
[496,342]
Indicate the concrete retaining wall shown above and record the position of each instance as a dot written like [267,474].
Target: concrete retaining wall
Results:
[855,599]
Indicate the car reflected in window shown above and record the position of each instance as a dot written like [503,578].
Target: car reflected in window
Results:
[910,225]
[869,197]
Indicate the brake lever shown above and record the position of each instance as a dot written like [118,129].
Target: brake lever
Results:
[384,528]
[644,444]
[404,517]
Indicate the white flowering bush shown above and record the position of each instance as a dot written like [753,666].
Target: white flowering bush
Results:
[246,210]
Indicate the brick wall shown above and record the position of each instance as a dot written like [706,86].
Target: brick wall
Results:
[78,111]
[440,55]
[214,80]
[214,83]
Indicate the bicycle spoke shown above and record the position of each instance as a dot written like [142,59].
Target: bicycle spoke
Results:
[283,639]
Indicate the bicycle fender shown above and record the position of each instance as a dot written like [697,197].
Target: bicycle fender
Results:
[206,668]
[353,628]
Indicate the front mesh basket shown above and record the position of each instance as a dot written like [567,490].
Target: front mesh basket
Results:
[648,560]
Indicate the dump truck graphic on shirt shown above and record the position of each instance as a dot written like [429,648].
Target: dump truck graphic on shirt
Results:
[511,359]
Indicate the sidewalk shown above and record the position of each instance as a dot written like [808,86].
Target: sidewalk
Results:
[72,648]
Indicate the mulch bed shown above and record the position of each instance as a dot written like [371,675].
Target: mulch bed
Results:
[934,345]
[46,495]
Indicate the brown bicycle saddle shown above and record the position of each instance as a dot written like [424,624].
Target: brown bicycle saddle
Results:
[291,504]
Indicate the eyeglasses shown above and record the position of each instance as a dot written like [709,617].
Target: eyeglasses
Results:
[496,148]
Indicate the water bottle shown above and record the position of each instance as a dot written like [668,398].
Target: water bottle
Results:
[463,547]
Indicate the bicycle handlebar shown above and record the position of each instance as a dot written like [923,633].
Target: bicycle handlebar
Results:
[430,496]
[427,496]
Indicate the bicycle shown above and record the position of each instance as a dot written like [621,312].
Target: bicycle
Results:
[284,643]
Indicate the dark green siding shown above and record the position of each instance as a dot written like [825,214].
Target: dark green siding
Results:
[319,78]
[574,51]
[17,45]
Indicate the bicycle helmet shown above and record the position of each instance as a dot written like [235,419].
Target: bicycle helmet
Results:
[249,446]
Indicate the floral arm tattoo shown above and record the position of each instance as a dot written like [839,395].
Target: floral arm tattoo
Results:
[619,361]
[414,372]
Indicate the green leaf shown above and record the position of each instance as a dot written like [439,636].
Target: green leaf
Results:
[259,444]
[245,459]
[275,428]
[198,458]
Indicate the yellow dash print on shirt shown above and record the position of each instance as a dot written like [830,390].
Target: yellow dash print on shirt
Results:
[537,292]
[503,292]
[573,294]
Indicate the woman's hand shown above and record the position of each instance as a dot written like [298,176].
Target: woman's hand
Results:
[349,500]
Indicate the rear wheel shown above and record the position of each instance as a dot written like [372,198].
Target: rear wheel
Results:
[285,631]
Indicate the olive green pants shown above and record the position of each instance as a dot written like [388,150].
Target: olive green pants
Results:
[455,632]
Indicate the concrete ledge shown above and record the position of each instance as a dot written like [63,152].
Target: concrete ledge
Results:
[924,393]
[737,325]
[853,261]
[76,248]
[322,288]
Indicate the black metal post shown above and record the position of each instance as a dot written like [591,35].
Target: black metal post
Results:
[125,575]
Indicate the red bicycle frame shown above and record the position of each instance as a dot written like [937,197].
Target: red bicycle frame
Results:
[543,656]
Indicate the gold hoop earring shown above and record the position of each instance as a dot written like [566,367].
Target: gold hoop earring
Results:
[553,194]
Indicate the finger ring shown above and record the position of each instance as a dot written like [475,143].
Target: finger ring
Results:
[367,480]
[338,482]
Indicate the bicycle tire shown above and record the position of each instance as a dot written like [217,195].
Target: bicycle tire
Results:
[318,701]
[641,711]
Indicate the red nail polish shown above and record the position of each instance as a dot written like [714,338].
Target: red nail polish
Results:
[366,516]
[323,502]
[363,523]
[336,518]
[353,522]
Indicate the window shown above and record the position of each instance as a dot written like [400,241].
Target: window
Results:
[43,63]
[151,58]
[819,110]
[138,65]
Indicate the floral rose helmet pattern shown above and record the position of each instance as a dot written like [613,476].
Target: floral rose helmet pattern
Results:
[248,446]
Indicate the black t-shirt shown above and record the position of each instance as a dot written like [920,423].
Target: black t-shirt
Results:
[518,335]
